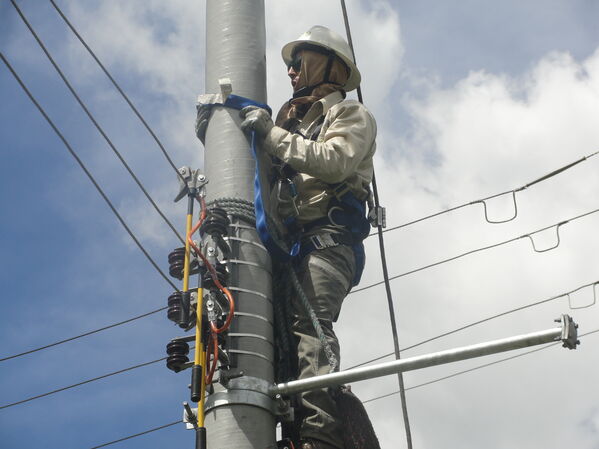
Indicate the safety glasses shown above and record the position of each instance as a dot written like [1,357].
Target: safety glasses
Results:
[296,63]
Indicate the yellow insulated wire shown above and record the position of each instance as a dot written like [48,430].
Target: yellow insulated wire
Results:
[200,356]
[187,254]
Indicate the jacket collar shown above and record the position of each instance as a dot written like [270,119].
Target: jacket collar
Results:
[330,100]
[322,106]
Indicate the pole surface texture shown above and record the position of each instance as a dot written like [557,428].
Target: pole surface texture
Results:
[241,416]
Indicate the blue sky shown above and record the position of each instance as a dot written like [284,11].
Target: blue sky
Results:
[471,99]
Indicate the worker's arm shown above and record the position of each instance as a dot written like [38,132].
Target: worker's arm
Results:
[346,142]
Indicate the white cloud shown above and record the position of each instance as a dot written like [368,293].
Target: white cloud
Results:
[487,134]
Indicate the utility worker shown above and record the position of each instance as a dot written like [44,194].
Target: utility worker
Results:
[322,145]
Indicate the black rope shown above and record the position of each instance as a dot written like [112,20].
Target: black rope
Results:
[89,175]
[404,407]
[93,120]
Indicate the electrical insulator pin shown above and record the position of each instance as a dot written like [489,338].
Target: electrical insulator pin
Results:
[177,351]
[176,261]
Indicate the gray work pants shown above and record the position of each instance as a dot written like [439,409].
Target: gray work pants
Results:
[325,276]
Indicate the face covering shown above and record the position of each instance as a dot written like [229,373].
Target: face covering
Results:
[312,85]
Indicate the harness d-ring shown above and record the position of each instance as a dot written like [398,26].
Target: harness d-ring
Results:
[330,215]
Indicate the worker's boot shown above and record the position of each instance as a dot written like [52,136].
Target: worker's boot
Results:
[315,444]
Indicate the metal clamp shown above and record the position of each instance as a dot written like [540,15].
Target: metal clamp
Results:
[284,409]
[191,182]
[244,390]
[321,241]
[377,216]
[569,335]
[190,417]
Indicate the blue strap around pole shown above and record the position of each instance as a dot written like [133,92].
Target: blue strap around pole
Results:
[277,249]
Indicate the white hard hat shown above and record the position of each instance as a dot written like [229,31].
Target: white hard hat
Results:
[323,37]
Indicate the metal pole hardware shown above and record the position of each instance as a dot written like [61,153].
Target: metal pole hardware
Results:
[566,333]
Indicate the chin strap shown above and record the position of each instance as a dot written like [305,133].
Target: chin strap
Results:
[307,90]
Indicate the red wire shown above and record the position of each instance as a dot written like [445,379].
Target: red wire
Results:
[214,340]
[213,273]
[213,328]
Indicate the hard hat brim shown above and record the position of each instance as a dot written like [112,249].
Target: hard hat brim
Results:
[354,74]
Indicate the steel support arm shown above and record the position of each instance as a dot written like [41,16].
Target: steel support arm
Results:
[566,333]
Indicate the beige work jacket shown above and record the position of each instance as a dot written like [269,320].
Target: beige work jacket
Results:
[342,152]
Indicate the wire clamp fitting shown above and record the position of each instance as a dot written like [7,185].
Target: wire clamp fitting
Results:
[283,409]
[190,417]
[569,335]
[377,216]
[191,182]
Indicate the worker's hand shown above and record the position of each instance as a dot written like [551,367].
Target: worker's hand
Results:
[202,119]
[256,119]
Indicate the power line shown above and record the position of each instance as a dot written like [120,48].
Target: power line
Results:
[116,85]
[93,120]
[363,363]
[404,406]
[483,200]
[87,172]
[382,396]
[484,320]
[137,434]
[66,340]
[78,384]
[484,248]
[475,368]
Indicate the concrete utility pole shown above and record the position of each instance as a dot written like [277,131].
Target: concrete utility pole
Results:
[240,416]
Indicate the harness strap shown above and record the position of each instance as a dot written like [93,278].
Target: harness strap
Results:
[278,248]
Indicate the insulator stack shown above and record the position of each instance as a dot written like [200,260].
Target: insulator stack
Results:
[174,307]
[179,309]
[176,261]
[177,351]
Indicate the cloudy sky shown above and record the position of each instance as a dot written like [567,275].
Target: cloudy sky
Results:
[472,99]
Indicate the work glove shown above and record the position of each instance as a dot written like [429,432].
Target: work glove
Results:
[202,119]
[256,119]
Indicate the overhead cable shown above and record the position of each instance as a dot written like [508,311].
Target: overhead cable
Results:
[492,317]
[404,406]
[78,384]
[118,88]
[475,368]
[363,363]
[66,340]
[89,175]
[484,248]
[138,434]
[93,120]
[483,200]
[382,396]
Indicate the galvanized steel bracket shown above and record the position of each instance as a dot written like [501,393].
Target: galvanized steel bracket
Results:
[569,335]
[244,390]
[190,182]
